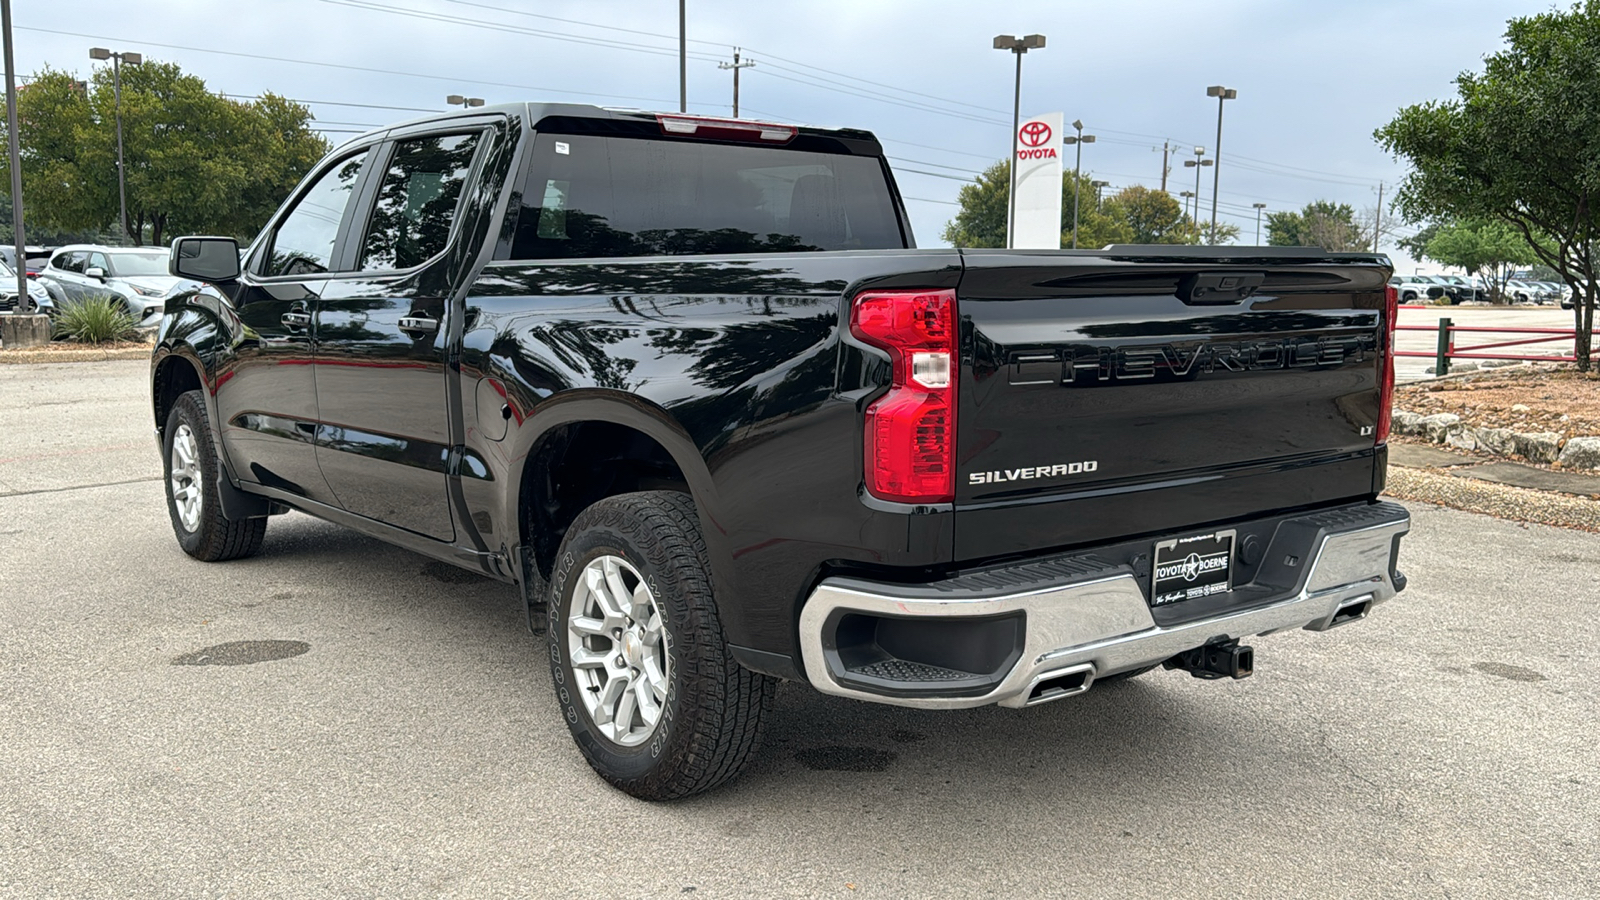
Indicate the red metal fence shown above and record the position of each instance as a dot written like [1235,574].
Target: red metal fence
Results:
[1447,349]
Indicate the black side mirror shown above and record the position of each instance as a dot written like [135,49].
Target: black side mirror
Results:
[212,259]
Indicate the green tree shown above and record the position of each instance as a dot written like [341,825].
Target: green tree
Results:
[1152,217]
[1322,223]
[194,161]
[1520,144]
[1485,247]
[982,219]
[1134,215]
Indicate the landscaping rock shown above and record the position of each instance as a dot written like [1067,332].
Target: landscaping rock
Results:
[1540,446]
[1581,453]
[1463,367]
[1406,422]
[1521,407]
[1498,441]
[1461,439]
[1439,426]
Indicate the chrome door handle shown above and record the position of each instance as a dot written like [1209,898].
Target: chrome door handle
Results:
[418,325]
[292,320]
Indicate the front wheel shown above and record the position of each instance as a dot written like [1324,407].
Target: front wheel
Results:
[645,680]
[192,472]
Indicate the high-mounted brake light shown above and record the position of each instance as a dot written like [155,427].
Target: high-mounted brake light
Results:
[727,129]
[1391,312]
[911,430]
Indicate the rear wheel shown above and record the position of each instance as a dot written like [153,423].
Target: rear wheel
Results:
[192,471]
[653,697]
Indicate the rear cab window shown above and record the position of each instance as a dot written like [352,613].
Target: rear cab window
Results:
[590,195]
[417,201]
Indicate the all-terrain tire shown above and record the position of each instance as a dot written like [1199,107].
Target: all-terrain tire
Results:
[210,537]
[709,725]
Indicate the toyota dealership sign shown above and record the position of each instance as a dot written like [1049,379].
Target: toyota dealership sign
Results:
[1037,156]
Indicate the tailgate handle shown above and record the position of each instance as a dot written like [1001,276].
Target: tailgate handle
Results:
[1207,288]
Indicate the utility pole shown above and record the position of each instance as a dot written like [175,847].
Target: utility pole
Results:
[24,302]
[683,59]
[736,65]
[1377,220]
[1166,147]
[117,59]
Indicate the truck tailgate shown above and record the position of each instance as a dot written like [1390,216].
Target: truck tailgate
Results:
[1144,390]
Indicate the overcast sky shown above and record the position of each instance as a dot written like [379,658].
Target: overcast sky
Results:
[1314,78]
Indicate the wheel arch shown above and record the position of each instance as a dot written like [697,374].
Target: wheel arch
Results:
[174,372]
[583,446]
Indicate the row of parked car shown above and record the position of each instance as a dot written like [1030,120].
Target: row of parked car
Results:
[1418,288]
[134,278]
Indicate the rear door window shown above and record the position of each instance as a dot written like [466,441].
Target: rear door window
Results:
[593,196]
[304,240]
[417,200]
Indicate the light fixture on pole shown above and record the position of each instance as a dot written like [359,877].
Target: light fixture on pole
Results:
[1187,196]
[1197,164]
[1258,208]
[1019,46]
[463,102]
[1077,174]
[117,61]
[1097,185]
[1222,94]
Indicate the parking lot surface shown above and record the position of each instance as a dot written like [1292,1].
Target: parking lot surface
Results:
[407,744]
[1414,368]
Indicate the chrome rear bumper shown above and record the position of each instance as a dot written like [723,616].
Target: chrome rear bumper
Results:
[1097,621]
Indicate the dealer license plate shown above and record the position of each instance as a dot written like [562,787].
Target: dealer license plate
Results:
[1188,568]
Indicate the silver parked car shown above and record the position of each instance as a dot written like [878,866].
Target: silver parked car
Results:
[135,277]
[8,292]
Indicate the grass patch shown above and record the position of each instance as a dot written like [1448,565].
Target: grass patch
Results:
[96,320]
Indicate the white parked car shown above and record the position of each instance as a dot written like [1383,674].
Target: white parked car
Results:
[8,292]
[135,277]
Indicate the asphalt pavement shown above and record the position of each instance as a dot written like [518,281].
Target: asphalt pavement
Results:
[390,730]
[1414,368]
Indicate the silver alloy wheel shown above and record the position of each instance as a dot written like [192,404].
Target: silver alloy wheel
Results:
[186,485]
[620,650]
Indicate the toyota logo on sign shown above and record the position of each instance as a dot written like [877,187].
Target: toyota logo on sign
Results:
[1035,134]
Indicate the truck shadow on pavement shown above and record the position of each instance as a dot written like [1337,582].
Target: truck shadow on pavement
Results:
[1163,741]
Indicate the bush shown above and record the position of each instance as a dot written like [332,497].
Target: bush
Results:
[97,320]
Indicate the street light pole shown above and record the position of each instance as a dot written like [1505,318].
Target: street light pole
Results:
[24,301]
[1187,206]
[683,58]
[1077,173]
[1197,164]
[1258,207]
[1222,94]
[1097,185]
[117,59]
[1018,46]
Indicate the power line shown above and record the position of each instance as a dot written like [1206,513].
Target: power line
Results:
[334,103]
[328,65]
[531,32]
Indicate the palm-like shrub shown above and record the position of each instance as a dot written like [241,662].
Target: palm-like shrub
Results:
[96,320]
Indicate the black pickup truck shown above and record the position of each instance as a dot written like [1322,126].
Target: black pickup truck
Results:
[687,383]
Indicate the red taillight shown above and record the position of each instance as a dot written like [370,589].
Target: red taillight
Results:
[1391,312]
[911,430]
